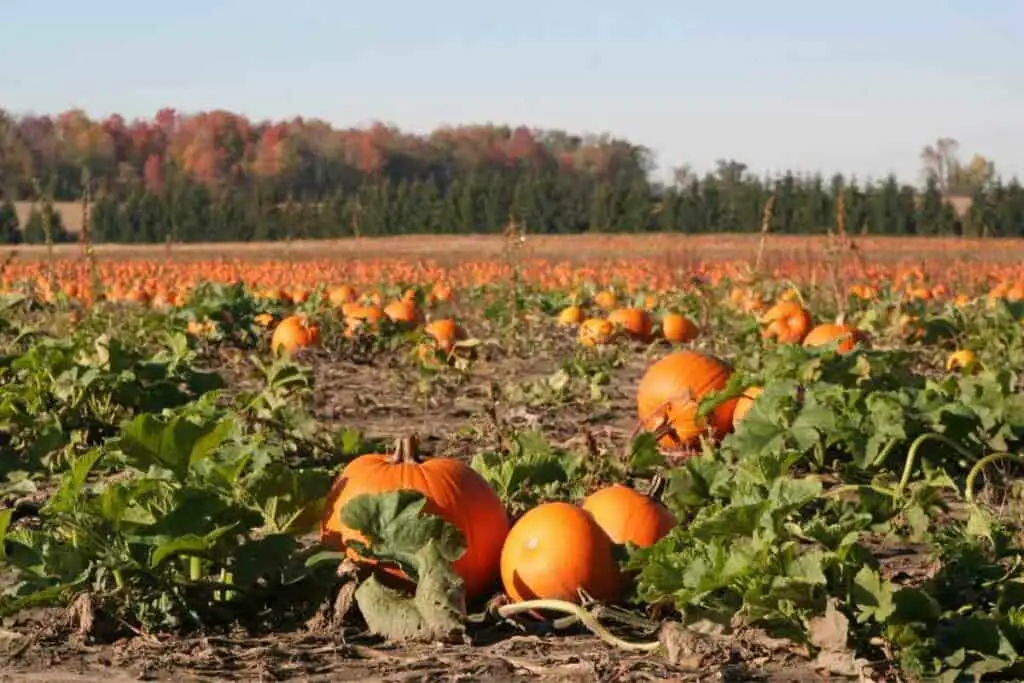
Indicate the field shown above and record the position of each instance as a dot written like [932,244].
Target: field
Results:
[843,505]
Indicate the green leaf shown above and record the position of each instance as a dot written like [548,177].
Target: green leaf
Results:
[436,612]
[872,595]
[397,528]
[172,445]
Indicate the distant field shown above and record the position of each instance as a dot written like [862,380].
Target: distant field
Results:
[70,213]
[674,248]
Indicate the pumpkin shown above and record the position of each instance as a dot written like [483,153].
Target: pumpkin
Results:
[670,390]
[787,322]
[964,359]
[361,316]
[403,312]
[441,291]
[627,515]
[744,403]
[596,331]
[293,333]
[570,316]
[340,295]
[263,319]
[454,492]
[606,299]
[678,329]
[555,550]
[635,322]
[827,333]
[445,333]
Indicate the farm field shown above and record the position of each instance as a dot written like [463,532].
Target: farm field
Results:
[826,465]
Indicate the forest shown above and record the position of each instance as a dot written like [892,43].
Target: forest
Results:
[218,176]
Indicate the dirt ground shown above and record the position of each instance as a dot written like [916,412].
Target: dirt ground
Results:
[453,248]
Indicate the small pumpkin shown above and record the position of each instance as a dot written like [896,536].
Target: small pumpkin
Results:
[744,403]
[964,360]
[670,391]
[555,550]
[678,329]
[570,316]
[596,332]
[627,515]
[445,333]
[847,336]
[340,295]
[634,322]
[453,490]
[404,312]
[293,333]
[606,299]
[787,322]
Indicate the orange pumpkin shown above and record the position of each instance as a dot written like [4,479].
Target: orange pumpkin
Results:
[670,391]
[827,333]
[454,492]
[635,322]
[556,549]
[627,515]
[678,329]
[445,333]
[596,331]
[744,403]
[362,316]
[570,316]
[787,322]
[404,312]
[293,333]
[606,299]
[341,295]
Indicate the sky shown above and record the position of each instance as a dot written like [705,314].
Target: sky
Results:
[808,85]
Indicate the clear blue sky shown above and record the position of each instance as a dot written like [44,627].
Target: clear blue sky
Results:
[857,87]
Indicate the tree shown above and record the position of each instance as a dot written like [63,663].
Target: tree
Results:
[939,161]
[10,232]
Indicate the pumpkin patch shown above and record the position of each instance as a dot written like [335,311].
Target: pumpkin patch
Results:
[618,457]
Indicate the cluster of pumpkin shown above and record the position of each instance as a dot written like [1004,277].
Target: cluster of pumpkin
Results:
[365,314]
[633,323]
[554,551]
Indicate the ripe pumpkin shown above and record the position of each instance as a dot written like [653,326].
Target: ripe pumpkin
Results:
[361,316]
[606,299]
[596,331]
[635,322]
[744,403]
[556,549]
[787,322]
[964,359]
[570,316]
[340,295]
[826,333]
[403,312]
[670,391]
[453,490]
[445,333]
[678,329]
[627,515]
[293,333]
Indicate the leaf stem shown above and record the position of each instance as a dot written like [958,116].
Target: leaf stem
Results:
[585,618]
[980,466]
[908,467]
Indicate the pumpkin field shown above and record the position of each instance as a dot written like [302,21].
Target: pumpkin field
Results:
[619,458]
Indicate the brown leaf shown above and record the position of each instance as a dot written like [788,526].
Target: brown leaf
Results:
[830,631]
[683,647]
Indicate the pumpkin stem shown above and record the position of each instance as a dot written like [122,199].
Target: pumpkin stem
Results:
[406,450]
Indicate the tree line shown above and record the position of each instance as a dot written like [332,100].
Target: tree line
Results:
[217,176]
